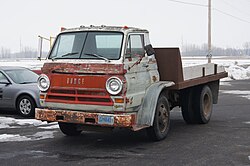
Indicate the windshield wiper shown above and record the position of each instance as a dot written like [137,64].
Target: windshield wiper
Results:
[98,56]
[68,54]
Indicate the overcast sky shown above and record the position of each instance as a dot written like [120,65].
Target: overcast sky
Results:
[169,23]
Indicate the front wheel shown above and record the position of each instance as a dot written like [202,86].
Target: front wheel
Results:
[69,129]
[161,123]
[26,106]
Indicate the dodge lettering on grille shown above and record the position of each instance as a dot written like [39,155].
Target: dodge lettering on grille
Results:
[75,81]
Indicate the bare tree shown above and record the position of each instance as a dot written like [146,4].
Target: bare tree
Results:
[246,47]
[27,52]
[5,53]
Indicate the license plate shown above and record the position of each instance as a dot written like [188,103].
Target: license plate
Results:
[102,119]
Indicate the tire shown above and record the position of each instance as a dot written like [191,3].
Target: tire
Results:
[69,129]
[26,106]
[187,107]
[161,123]
[203,105]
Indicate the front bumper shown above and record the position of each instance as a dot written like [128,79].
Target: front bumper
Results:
[126,120]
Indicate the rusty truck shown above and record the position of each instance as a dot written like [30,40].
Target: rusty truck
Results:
[111,77]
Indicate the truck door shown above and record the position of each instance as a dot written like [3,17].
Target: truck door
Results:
[137,64]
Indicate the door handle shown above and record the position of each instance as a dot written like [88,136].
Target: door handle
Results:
[144,65]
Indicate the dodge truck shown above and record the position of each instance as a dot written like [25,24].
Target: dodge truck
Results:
[111,77]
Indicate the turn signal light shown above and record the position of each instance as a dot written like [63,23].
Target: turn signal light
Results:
[42,96]
[119,100]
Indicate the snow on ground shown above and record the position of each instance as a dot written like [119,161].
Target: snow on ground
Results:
[16,123]
[241,93]
[225,83]
[238,68]
[8,122]
[35,137]
[13,137]
[55,126]
[236,72]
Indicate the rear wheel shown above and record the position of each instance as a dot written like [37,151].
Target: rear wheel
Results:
[203,105]
[69,129]
[26,106]
[197,105]
[187,107]
[161,123]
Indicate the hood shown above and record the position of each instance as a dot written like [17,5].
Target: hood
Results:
[83,68]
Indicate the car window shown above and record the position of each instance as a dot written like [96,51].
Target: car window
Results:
[2,77]
[22,76]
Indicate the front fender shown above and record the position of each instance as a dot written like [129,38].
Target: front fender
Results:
[145,116]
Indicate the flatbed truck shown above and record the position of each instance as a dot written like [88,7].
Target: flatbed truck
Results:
[99,77]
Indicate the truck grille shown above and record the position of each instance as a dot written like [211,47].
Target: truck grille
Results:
[79,96]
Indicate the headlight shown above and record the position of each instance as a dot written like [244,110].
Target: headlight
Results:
[114,85]
[43,82]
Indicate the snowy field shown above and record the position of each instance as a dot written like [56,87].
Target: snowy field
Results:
[238,68]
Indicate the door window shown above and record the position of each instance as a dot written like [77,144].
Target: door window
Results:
[135,46]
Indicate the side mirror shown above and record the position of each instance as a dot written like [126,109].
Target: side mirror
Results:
[4,81]
[149,50]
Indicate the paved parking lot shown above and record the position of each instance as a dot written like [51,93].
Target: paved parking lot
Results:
[224,141]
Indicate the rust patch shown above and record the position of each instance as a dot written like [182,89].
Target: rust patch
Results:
[120,120]
[83,68]
[154,78]
[125,121]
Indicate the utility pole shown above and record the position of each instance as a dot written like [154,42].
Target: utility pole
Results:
[209,33]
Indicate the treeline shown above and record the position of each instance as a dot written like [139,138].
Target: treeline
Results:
[26,52]
[196,50]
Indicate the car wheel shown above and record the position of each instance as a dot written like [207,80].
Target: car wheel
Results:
[26,106]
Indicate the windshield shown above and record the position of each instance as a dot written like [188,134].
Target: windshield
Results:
[22,76]
[88,45]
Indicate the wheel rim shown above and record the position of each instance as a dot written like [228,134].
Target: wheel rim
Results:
[163,118]
[25,106]
[207,106]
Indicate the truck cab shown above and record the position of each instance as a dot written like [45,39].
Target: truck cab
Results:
[105,76]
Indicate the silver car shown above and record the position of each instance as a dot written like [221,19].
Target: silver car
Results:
[18,90]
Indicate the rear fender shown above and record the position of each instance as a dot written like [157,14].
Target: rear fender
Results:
[145,116]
